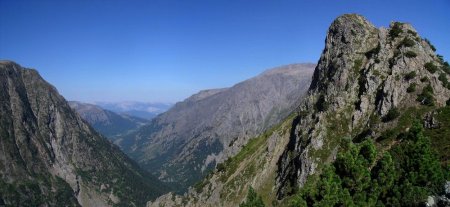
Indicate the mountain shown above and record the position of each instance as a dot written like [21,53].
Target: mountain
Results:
[142,110]
[107,122]
[184,143]
[50,157]
[373,130]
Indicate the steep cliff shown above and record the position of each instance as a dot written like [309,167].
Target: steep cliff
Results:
[365,78]
[50,157]
[369,85]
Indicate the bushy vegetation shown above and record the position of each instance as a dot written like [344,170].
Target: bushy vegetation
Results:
[362,175]
[444,80]
[431,67]
[446,67]
[391,115]
[410,75]
[252,200]
[424,79]
[43,191]
[395,30]
[431,45]
[412,32]
[426,97]
[440,137]
[410,54]
[411,88]
[406,42]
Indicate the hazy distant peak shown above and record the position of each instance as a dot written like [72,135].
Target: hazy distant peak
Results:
[290,69]
[205,94]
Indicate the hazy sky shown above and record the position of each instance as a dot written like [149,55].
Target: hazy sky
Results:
[164,51]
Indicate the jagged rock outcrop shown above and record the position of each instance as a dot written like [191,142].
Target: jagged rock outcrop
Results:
[365,79]
[50,157]
[364,76]
[205,129]
[107,122]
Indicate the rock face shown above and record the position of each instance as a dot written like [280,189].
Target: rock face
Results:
[107,122]
[366,77]
[50,157]
[205,129]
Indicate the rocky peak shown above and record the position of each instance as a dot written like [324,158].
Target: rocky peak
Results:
[362,75]
[365,78]
[348,34]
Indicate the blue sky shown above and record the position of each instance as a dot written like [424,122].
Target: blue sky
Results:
[164,51]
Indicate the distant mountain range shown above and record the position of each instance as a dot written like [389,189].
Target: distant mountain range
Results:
[181,145]
[143,110]
[107,122]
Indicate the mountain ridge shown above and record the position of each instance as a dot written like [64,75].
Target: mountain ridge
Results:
[369,85]
[50,156]
[190,138]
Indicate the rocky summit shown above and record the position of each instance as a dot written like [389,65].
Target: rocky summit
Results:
[370,131]
[363,76]
[184,143]
[50,157]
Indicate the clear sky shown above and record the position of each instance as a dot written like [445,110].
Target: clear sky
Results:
[164,51]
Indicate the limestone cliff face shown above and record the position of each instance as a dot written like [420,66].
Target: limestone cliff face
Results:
[365,76]
[362,75]
[208,127]
[50,157]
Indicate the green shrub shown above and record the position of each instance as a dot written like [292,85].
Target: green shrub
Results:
[446,67]
[220,167]
[402,176]
[406,42]
[411,88]
[410,54]
[200,185]
[412,32]
[448,102]
[431,67]
[410,75]
[391,115]
[395,30]
[426,97]
[424,79]
[429,43]
[440,58]
[443,79]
